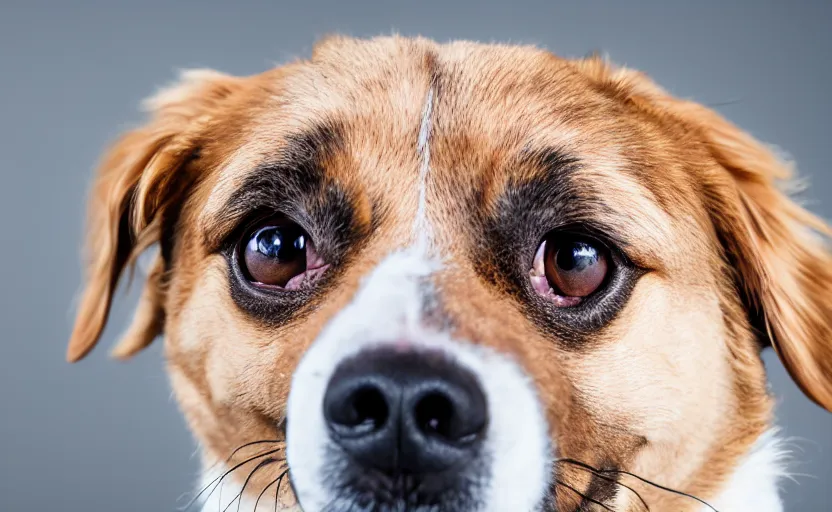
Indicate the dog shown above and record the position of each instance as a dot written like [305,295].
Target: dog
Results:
[404,275]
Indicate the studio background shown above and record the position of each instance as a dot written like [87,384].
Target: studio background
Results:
[107,436]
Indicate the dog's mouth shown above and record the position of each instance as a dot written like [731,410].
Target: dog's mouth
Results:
[373,490]
[362,490]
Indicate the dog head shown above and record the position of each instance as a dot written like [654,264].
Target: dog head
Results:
[460,277]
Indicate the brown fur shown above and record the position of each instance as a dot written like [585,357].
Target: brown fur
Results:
[672,389]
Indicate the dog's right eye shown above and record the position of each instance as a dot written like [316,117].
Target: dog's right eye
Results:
[279,254]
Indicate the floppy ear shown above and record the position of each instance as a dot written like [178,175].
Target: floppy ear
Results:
[781,254]
[133,202]
[778,249]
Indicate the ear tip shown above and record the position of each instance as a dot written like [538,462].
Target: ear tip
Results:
[75,353]
[824,400]
[120,354]
[80,344]
[816,387]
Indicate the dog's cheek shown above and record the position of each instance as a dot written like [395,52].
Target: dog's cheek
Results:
[647,381]
[243,362]
[649,376]
[194,404]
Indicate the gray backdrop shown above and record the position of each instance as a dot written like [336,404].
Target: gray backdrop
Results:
[106,436]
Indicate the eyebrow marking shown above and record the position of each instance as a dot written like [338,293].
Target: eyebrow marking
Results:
[421,229]
[289,181]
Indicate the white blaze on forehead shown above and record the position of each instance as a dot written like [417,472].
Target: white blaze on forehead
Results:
[421,228]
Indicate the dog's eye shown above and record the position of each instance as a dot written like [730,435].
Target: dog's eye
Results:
[278,253]
[567,268]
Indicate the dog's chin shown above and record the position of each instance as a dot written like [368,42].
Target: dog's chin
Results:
[357,501]
[353,487]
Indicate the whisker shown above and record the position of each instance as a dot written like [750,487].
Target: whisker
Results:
[596,472]
[263,492]
[277,490]
[239,497]
[220,478]
[584,496]
[648,482]
[239,448]
[264,441]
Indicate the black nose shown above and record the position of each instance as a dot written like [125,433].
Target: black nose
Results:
[405,411]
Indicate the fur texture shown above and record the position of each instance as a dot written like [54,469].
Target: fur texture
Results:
[426,176]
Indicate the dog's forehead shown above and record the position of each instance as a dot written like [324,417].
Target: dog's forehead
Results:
[487,106]
[506,97]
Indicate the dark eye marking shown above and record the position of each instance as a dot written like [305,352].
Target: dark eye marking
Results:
[296,228]
[581,277]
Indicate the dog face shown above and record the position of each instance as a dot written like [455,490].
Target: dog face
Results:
[460,277]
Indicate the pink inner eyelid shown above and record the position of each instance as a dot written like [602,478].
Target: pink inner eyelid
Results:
[306,278]
[540,284]
[315,268]
[313,260]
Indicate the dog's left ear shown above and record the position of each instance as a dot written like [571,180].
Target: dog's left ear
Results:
[777,250]
[137,191]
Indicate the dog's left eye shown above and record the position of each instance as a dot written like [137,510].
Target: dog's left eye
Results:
[278,253]
[567,269]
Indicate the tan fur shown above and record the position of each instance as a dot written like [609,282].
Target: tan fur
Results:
[672,389]
[783,258]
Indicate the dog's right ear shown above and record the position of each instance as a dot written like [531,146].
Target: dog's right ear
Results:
[779,253]
[139,183]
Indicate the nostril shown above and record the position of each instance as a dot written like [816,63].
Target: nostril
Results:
[368,409]
[363,411]
[436,415]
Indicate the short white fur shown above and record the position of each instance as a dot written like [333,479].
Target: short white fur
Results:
[224,494]
[754,484]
